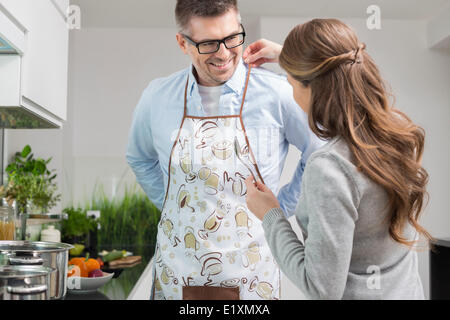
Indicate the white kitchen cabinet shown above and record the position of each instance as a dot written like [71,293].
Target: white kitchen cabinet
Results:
[45,58]
[9,79]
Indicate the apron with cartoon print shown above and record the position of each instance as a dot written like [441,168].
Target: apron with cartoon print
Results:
[206,235]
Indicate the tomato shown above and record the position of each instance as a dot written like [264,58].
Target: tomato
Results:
[101,262]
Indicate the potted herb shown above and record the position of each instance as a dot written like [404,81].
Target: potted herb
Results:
[31,183]
[78,229]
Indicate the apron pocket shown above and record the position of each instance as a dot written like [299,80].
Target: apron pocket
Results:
[210,293]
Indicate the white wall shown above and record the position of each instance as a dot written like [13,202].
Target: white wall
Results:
[110,69]
[419,78]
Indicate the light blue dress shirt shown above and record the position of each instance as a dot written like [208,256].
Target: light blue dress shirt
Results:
[271,117]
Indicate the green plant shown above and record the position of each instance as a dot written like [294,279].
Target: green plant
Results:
[128,221]
[77,223]
[43,194]
[30,181]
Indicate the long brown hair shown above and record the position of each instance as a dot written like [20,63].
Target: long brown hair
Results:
[349,99]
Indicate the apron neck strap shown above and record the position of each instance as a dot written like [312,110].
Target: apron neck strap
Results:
[185,98]
[243,98]
[245,90]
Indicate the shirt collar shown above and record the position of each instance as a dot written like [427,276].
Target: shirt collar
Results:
[236,83]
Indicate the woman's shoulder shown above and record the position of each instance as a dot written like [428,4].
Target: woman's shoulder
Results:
[335,150]
[334,161]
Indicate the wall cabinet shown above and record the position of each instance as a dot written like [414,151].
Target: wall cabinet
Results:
[44,60]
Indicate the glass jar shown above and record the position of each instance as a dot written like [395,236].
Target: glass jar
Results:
[7,223]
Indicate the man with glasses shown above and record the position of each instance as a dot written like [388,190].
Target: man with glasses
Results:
[195,137]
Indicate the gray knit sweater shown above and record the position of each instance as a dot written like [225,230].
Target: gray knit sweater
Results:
[348,252]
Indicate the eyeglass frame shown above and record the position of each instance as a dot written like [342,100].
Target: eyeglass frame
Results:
[197,44]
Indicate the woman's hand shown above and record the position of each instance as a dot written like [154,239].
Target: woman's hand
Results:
[259,198]
[260,52]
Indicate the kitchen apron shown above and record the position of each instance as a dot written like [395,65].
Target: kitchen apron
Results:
[207,238]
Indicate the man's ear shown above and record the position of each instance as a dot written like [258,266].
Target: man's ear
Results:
[182,43]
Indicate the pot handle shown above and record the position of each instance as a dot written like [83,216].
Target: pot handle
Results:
[39,288]
[15,260]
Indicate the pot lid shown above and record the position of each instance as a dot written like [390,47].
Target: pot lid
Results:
[34,246]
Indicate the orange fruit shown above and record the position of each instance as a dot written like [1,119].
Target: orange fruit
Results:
[92,264]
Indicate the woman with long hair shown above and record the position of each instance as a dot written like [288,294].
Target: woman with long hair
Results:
[363,192]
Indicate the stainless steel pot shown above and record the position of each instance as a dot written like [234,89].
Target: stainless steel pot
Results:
[48,254]
[25,282]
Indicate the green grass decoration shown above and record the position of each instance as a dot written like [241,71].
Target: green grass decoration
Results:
[128,221]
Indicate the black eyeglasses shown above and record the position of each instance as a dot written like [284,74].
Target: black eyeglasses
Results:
[211,46]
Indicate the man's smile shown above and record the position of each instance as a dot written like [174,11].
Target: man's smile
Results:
[221,65]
